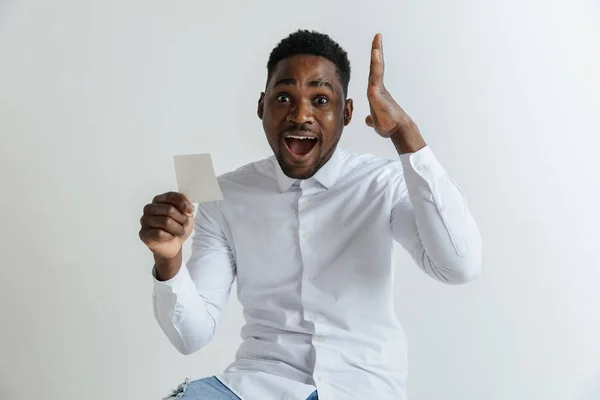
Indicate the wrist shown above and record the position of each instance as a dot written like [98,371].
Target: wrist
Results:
[167,268]
[407,138]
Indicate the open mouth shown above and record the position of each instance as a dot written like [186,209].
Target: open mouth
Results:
[300,146]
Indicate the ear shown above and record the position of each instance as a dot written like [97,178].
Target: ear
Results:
[261,105]
[348,109]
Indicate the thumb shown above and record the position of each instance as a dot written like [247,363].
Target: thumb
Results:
[369,120]
[190,206]
[189,227]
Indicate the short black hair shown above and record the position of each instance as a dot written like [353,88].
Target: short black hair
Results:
[312,43]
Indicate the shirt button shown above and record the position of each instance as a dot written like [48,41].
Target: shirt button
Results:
[305,235]
[310,317]
[319,338]
[443,208]
[304,203]
[420,167]
[311,278]
[321,378]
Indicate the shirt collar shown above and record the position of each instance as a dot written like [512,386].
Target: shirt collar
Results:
[326,175]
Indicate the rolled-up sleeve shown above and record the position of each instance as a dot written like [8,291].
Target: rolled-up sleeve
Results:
[431,220]
[189,305]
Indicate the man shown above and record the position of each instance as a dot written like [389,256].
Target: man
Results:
[309,235]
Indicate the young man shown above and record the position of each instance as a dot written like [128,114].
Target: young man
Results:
[309,233]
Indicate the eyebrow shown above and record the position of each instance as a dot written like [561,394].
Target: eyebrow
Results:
[314,83]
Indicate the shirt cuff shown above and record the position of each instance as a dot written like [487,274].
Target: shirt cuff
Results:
[423,162]
[177,284]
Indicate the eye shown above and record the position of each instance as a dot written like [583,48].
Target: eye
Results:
[321,100]
[283,98]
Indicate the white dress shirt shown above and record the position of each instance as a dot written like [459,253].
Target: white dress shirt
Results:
[315,269]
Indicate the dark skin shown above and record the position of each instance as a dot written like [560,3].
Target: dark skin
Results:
[167,222]
[387,118]
[303,97]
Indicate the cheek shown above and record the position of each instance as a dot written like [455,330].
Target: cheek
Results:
[330,122]
[270,122]
[273,113]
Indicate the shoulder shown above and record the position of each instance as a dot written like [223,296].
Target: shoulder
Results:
[251,174]
[371,167]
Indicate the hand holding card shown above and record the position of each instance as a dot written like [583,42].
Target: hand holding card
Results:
[169,220]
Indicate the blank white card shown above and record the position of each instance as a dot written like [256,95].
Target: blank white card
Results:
[196,178]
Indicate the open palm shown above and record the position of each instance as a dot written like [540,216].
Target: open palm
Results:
[386,115]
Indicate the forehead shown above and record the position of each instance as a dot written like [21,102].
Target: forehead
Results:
[305,68]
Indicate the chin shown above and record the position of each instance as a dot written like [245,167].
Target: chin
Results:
[295,171]
[300,174]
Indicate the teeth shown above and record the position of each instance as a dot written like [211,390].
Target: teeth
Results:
[299,137]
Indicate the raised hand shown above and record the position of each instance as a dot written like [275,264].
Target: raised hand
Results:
[387,117]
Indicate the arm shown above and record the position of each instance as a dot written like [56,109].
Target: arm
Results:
[429,217]
[431,220]
[188,306]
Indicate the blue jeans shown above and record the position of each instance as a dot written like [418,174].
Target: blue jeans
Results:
[209,389]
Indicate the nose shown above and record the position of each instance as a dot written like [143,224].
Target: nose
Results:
[301,113]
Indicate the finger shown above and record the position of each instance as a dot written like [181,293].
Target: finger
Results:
[377,68]
[151,236]
[177,199]
[369,120]
[380,47]
[168,210]
[378,44]
[164,223]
